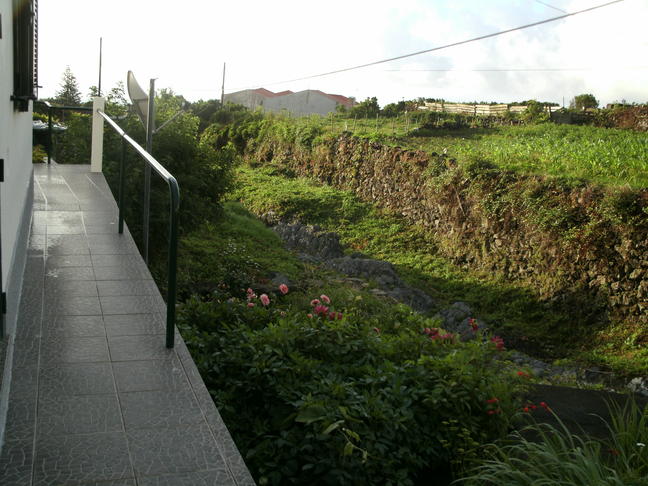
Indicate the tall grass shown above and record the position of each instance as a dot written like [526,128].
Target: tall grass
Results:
[546,455]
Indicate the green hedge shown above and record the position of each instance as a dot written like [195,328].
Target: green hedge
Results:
[357,400]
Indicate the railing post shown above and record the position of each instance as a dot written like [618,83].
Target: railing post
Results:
[173,252]
[96,153]
[121,186]
[49,133]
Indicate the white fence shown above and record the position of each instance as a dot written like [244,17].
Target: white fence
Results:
[476,110]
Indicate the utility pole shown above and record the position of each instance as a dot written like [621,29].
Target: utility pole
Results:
[223,88]
[100,52]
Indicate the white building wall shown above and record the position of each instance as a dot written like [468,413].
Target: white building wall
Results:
[248,98]
[306,102]
[15,149]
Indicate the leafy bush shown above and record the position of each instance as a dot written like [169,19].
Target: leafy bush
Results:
[343,400]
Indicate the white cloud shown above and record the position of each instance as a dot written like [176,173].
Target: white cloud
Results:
[184,44]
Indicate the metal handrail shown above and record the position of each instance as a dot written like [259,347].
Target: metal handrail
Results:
[174,193]
[51,107]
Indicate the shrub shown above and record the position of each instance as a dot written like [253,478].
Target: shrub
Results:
[343,400]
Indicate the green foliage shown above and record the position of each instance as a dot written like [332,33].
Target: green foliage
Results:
[234,251]
[368,108]
[544,454]
[351,401]
[535,113]
[68,93]
[73,145]
[555,327]
[583,102]
[38,154]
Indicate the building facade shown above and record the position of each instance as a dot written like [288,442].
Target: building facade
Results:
[18,83]
[307,102]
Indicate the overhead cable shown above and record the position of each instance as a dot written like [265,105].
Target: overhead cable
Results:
[446,46]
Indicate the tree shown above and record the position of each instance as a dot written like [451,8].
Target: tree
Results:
[69,93]
[367,108]
[584,101]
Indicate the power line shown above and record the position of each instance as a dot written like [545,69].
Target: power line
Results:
[507,70]
[551,6]
[446,46]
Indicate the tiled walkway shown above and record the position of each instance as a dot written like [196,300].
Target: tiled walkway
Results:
[96,398]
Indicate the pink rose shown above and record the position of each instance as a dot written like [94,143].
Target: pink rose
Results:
[283,288]
[325,299]
[265,300]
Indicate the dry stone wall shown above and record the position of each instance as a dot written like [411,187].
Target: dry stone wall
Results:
[563,238]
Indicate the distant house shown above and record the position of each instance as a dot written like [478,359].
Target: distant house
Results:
[252,98]
[305,102]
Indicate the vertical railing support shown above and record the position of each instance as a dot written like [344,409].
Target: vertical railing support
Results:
[121,186]
[96,152]
[173,257]
[49,133]
[150,129]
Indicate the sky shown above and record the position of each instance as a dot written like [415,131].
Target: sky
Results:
[264,43]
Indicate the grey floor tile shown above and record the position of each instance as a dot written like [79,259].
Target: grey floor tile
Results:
[71,459]
[70,273]
[122,272]
[24,382]
[111,288]
[16,460]
[133,324]
[118,482]
[110,249]
[73,349]
[67,245]
[130,304]
[21,418]
[64,229]
[79,326]
[173,450]
[101,229]
[218,477]
[73,306]
[36,245]
[118,261]
[26,351]
[139,347]
[59,289]
[159,409]
[150,375]
[100,217]
[57,261]
[78,415]
[76,379]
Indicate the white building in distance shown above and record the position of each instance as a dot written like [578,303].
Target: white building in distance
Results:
[307,102]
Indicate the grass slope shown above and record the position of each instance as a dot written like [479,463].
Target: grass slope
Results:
[544,328]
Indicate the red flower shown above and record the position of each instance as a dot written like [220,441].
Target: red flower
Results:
[491,412]
[473,324]
[614,452]
[525,409]
[523,374]
[492,400]
[320,310]
[265,300]
[283,288]
[544,405]
[499,343]
[325,299]
[376,330]
[315,302]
